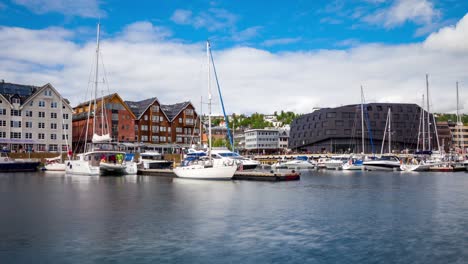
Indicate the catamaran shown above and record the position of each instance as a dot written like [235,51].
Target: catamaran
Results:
[101,156]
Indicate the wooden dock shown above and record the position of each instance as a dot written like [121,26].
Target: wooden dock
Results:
[266,176]
[239,175]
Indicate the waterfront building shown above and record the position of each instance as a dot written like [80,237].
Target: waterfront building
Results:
[283,137]
[262,141]
[34,118]
[118,117]
[459,133]
[184,123]
[338,130]
[164,127]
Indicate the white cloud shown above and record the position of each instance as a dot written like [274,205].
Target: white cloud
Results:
[280,41]
[246,34]
[251,79]
[450,38]
[421,12]
[83,8]
[145,31]
[182,16]
[213,19]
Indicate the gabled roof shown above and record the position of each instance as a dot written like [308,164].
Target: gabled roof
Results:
[50,86]
[139,108]
[8,90]
[108,98]
[172,111]
[26,92]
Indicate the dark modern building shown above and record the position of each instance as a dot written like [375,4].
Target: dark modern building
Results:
[338,130]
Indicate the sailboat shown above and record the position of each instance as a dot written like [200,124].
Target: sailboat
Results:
[426,159]
[387,162]
[101,156]
[356,162]
[207,167]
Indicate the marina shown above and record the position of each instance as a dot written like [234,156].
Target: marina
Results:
[328,216]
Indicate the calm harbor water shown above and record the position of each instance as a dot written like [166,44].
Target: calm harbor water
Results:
[326,217]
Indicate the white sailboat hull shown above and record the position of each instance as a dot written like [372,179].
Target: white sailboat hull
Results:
[206,173]
[348,166]
[416,167]
[56,167]
[81,167]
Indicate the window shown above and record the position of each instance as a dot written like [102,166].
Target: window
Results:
[15,123]
[15,134]
[155,139]
[53,136]
[65,116]
[53,105]
[330,132]
[155,108]
[29,113]
[145,117]
[178,130]
[41,125]
[28,135]
[331,115]
[162,139]
[15,100]
[160,119]
[53,147]
[53,115]
[2,111]
[41,104]
[41,114]
[163,129]
[2,134]
[48,92]
[31,103]
[155,118]
[155,129]
[339,123]
[189,111]
[28,124]
[53,125]
[15,112]
[144,128]
[65,126]
[2,122]
[180,120]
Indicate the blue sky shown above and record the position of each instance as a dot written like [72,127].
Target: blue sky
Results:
[262,46]
[272,25]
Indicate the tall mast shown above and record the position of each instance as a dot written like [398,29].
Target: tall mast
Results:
[209,98]
[389,130]
[460,138]
[200,117]
[423,126]
[421,117]
[428,115]
[233,130]
[96,77]
[362,120]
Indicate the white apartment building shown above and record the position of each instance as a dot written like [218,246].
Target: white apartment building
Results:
[34,118]
[262,140]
